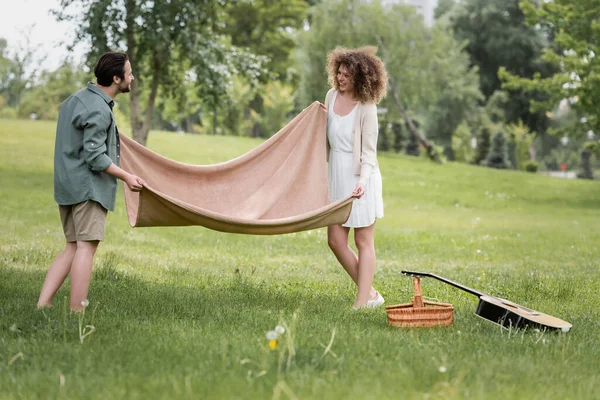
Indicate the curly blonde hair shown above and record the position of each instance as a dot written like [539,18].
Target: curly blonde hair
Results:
[367,70]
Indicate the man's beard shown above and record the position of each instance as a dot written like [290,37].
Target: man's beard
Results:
[124,89]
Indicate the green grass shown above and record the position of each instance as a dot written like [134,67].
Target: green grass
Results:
[183,312]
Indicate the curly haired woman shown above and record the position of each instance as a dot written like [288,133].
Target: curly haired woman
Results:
[358,79]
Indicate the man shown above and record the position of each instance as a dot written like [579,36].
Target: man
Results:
[86,159]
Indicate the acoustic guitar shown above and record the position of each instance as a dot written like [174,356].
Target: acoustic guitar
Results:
[504,312]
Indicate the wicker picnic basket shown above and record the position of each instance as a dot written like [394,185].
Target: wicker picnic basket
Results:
[420,313]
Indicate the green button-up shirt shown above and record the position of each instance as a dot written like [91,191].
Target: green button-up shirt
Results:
[87,142]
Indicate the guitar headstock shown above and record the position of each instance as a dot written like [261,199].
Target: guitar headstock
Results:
[416,274]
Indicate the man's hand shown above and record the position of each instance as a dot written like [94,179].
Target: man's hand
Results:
[359,190]
[135,183]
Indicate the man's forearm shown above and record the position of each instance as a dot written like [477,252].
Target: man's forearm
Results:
[116,172]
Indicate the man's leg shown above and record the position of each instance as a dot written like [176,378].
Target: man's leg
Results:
[90,220]
[81,272]
[56,274]
[62,263]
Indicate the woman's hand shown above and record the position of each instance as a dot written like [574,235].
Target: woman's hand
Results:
[359,190]
[323,107]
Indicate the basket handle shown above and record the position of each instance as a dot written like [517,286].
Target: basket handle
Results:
[418,299]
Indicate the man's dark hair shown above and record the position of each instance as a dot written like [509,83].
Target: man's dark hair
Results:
[109,65]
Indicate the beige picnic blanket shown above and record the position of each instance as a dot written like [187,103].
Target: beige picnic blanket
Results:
[278,187]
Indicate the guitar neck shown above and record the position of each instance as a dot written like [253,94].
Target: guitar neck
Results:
[448,281]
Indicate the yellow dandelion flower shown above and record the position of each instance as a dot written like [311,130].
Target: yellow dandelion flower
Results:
[272,344]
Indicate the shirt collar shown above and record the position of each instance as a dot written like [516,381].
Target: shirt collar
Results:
[91,86]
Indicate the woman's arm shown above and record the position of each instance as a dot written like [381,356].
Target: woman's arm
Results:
[370,131]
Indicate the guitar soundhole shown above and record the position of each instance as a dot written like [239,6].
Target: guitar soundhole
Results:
[517,307]
[509,304]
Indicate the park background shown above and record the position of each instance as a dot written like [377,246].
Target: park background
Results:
[490,104]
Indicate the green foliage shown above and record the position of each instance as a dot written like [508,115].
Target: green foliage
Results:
[168,43]
[593,147]
[53,88]
[278,102]
[412,146]
[233,115]
[586,165]
[499,39]
[267,28]
[561,155]
[461,144]
[483,146]
[497,156]
[398,136]
[531,166]
[443,7]
[122,116]
[574,26]
[383,141]
[427,65]
[5,68]
[495,107]
[458,92]
[520,140]
[236,107]
[8,113]
[17,72]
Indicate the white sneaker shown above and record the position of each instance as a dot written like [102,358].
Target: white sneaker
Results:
[376,302]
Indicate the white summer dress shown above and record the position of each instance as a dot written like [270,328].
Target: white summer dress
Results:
[342,180]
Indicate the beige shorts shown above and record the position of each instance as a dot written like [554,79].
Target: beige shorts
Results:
[83,222]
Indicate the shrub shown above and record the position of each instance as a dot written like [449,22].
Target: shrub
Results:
[531,166]
[497,156]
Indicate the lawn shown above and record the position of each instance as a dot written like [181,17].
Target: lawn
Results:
[183,312]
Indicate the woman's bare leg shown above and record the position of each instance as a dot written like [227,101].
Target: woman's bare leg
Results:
[365,243]
[337,238]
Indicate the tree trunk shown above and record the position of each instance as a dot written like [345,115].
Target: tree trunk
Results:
[136,113]
[140,121]
[214,123]
[429,147]
[533,150]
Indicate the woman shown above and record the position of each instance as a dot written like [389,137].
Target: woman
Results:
[358,79]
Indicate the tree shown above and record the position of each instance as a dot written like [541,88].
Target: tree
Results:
[499,39]
[398,136]
[443,6]
[457,98]
[586,165]
[160,39]
[483,146]
[52,89]
[267,28]
[417,59]
[383,142]
[278,104]
[412,147]
[17,71]
[497,156]
[461,144]
[574,26]
[519,145]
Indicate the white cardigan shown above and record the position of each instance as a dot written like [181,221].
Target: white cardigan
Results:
[365,131]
